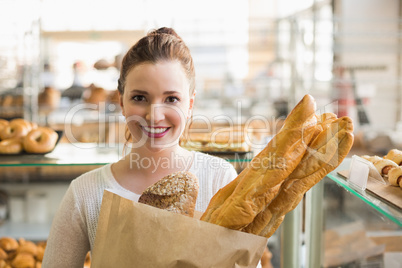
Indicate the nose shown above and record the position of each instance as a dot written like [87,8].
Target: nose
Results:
[155,114]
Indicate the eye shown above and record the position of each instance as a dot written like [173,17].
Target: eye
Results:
[172,99]
[138,98]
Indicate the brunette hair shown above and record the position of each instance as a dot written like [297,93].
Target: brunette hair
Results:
[158,45]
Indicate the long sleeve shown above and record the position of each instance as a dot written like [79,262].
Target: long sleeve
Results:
[213,173]
[68,241]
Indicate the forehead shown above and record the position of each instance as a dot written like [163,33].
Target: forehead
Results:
[158,67]
[168,73]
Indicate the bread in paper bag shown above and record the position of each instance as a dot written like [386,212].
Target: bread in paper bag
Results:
[132,234]
[176,192]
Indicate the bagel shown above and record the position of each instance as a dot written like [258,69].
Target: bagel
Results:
[40,140]
[3,124]
[11,146]
[24,122]
[33,125]
[17,128]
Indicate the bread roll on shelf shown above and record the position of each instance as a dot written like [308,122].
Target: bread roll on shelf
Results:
[49,99]
[372,159]
[395,176]
[219,139]
[22,136]
[3,124]
[11,146]
[95,95]
[395,155]
[383,166]
[24,253]
[8,243]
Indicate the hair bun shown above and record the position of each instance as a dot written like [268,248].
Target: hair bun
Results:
[164,30]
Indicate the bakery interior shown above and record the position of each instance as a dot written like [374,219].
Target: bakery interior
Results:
[60,64]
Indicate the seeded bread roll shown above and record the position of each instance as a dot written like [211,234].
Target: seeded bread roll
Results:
[177,192]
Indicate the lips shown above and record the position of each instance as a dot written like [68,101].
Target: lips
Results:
[155,132]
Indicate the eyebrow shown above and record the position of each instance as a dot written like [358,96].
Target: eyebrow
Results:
[143,92]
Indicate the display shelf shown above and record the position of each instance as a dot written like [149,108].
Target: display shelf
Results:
[386,209]
[84,154]
[28,231]
[69,160]
[67,154]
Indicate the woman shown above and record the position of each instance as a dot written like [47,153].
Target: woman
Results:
[157,91]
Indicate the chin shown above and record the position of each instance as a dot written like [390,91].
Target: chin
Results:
[161,147]
[155,149]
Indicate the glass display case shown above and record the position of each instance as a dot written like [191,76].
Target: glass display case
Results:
[335,225]
[45,178]
[50,175]
[361,229]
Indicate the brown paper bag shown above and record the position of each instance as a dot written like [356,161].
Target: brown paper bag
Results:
[131,234]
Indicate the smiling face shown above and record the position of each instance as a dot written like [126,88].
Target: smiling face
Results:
[156,103]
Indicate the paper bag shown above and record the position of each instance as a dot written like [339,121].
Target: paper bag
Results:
[131,234]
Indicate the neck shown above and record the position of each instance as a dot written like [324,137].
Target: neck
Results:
[149,162]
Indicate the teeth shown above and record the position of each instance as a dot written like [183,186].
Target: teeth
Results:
[155,130]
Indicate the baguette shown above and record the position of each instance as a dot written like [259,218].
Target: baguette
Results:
[324,154]
[236,205]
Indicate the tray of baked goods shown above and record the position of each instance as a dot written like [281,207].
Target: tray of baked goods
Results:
[21,137]
[223,140]
[24,253]
[385,178]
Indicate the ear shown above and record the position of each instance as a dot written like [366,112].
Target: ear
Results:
[190,108]
[121,103]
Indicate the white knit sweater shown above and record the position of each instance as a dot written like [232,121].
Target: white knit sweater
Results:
[74,226]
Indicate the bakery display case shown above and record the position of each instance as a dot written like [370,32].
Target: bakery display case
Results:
[345,214]
[360,228]
[47,177]
[42,180]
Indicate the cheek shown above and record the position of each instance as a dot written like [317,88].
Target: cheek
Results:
[177,116]
[134,115]
[131,109]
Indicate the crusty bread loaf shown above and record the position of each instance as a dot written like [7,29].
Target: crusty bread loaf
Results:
[260,197]
[323,155]
[236,205]
[176,192]
[326,119]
